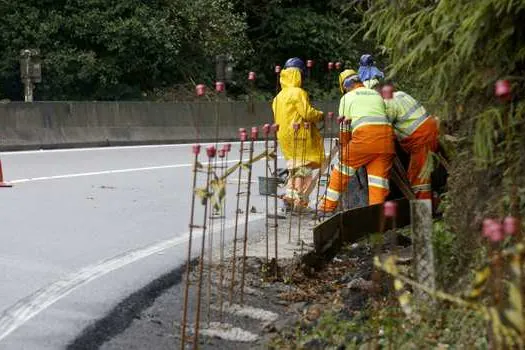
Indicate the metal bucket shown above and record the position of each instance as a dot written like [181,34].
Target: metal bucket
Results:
[267,186]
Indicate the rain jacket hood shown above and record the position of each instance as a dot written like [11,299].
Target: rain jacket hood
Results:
[291,77]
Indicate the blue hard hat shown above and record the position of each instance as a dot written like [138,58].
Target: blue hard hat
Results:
[366,60]
[295,62]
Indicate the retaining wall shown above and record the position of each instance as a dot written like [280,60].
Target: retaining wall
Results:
[85,124]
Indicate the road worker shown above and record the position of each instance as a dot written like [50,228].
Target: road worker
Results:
[367,141]
[417,133]
[303,149]
[369,74]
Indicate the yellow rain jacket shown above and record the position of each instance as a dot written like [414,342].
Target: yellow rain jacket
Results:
[291,106]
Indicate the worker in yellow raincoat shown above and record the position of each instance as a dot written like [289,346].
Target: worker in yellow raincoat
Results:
[368,140]
[417,133]
[292,106]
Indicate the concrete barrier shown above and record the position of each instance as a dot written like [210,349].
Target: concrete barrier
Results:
[44,125]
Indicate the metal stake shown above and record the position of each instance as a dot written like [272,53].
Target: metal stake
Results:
[254,134]
[303,162]
[321,153]
[328,170]
[243,138]
[210,151]
[196,151]
[341,150]
[266,132]
[296,127]
[275,129]
[212,217]
[222,155]
[346,193]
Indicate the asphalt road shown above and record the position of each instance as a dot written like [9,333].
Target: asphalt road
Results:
[84,228]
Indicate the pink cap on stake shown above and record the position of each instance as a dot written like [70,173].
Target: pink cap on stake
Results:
[243,136]
[221,153]
[387,92]
[242,131]
[200,89]
[493,230]
[330,65]
[219,86]
[296,126]
[275,128]
[196,149]
[496,232]
[340,119]
[487,223]
[277,69]
[309,63]
[307,125]
[511,225]
[503,90]
[254,133]
[251,76]
[228,147]
[338,65]
[211,151]
[390,209]
[330,115]
[266,129]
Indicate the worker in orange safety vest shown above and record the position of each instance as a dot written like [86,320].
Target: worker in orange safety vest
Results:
[368,140]
[417,133]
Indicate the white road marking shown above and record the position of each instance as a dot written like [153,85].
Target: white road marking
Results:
[251,312]
[107,172]
[228,332]
[116,148]
[116,171]
[25,309]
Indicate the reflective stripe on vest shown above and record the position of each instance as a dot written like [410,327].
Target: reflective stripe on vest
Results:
[366,93]
[376,181]
[405,132]
[362,121]
[422,188]
[410,112]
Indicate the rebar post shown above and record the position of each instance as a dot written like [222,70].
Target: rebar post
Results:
[254,135]
[266,133]
[291,175]
[210,151]
[321,170]
[196,151]
[243,137]
[346,193]
[223,155]
[275,130]
[302,183]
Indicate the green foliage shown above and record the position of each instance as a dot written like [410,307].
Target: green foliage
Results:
[280,29]
[447,328]
[96,49]
[456,50]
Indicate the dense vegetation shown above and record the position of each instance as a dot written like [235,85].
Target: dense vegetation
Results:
[450,54]
[132,49]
